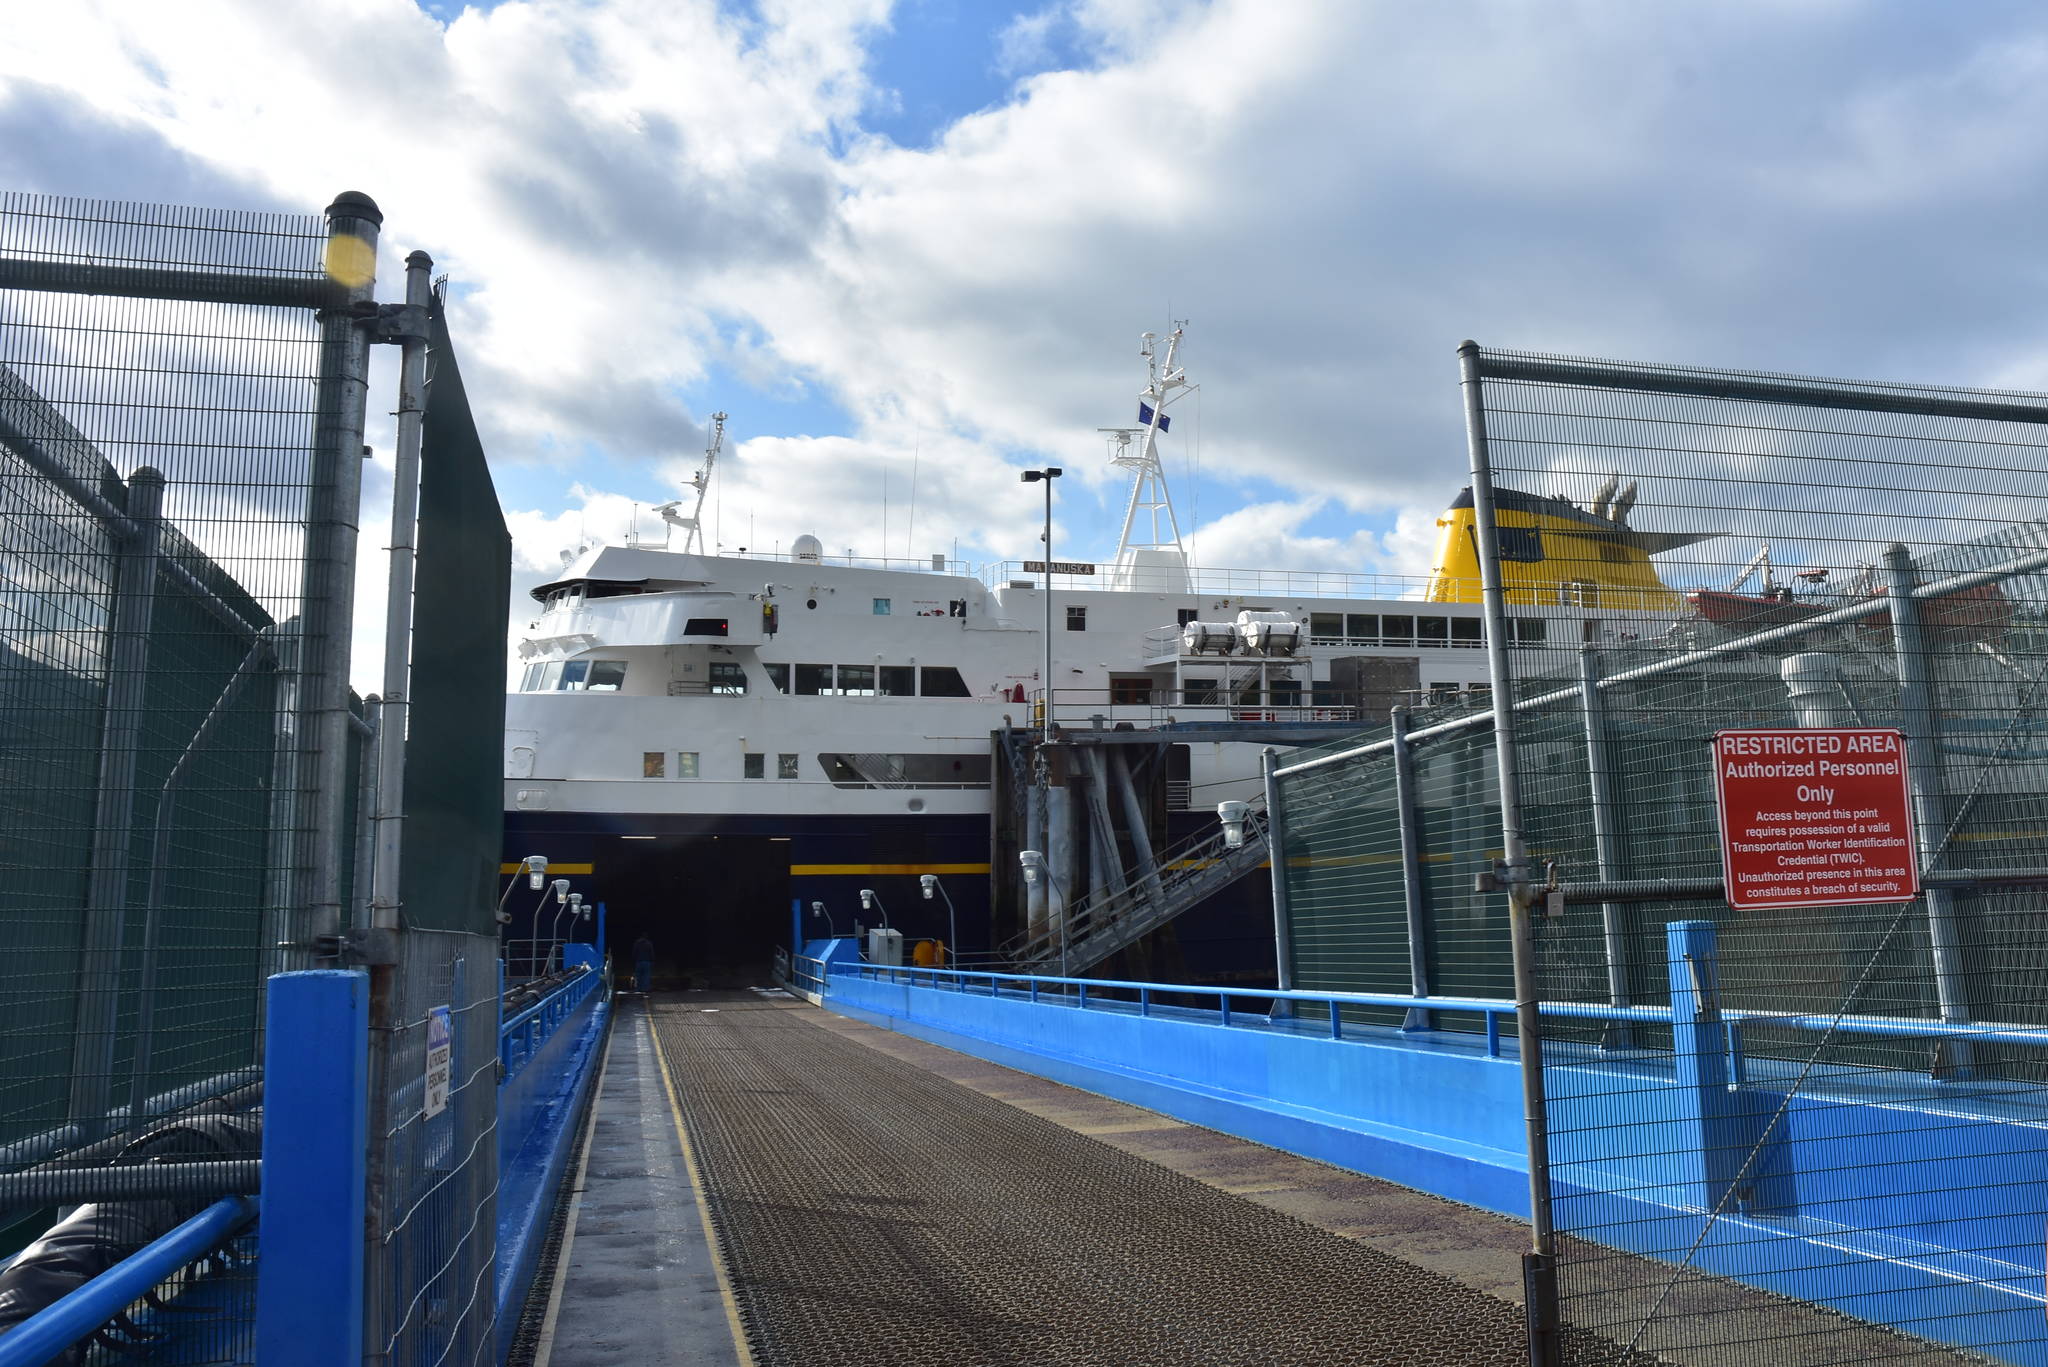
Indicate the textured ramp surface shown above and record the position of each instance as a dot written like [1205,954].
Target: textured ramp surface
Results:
[871,1212]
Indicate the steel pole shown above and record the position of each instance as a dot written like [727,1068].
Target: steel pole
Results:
[389,822]
[334,508]
[136,560]
[1923,770]
[1539,1270]
[1606,842]
[1408,812]
[1045,720]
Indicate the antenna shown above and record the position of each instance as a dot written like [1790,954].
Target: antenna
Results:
[1148,476]
[693,525]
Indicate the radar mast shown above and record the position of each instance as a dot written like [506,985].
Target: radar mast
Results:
[693,525]
[1149,553]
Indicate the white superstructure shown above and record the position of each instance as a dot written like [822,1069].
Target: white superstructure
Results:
[660,682]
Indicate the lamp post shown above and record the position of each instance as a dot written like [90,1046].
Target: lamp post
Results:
[818,910]
[1046,477]
[870,902]
[930,883]
[535,867]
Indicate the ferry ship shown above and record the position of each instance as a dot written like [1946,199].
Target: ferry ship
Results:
[729,750]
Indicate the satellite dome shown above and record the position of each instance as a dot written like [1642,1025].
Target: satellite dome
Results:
[807,547]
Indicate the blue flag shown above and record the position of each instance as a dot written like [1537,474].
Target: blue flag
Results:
[1145,417]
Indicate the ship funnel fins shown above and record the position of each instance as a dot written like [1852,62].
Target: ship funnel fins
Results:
[1624,501]
[1603,494]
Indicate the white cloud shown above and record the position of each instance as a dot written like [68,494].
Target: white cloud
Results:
[638,193]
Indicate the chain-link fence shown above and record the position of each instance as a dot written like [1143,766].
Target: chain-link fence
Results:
[184,776]
[1838,1102]
[166,660]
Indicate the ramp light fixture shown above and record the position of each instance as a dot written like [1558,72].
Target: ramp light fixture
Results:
[818,910]
[870,902]
[1233,816]
[930,883]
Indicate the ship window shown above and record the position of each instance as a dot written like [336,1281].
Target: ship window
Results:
[811,680]
[785,766]
[779,676]
[1327,626]
[531,679]
[1432,631]
[550,675]
[1579,593]
[944,681]
[1362,626]
[857,681]
[848,770]
[1396,630]
[654,764]
[704,626]
[1286,692]
[756,766]
[606,676]
[1186,615]
[1198,690]
[1130,689]
[573,674]
[881,607]
[1530,630]
[686,764]
[1465,631]
[898,681]
[1077,618]
[728,676]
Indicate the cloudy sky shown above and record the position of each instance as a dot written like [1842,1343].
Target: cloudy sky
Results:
[910,247]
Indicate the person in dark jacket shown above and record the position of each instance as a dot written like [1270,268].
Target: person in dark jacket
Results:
[643,963]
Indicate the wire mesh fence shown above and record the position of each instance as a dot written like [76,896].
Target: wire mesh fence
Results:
[1832,1097]
[433,1159]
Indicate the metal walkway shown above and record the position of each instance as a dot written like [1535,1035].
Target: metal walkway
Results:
[873,1212]
[878,1200]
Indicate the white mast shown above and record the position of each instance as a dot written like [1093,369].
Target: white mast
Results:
[693,525]
[1159,533]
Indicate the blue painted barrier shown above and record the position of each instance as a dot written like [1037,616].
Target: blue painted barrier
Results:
[1943,1242]
[316,1091]
[548,1057]
[42,1336]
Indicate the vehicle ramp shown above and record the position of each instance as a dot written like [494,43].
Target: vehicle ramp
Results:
[870,1211]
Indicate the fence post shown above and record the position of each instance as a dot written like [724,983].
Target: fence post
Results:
[1539,1270]
[1276,867]
[333,511]
[1923,770]
[134,601]
[316,1082]
[1606,843]
[1408,813]
[1714,1136]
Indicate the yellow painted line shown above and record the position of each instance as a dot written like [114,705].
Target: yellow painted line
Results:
[821,870]
[675,1109]
[553,869]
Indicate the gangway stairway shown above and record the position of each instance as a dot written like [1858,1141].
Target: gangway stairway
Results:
[1115,918]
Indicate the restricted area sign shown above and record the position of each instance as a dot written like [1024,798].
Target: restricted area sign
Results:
[1817,817]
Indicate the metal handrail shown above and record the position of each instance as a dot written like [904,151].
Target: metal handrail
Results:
[1493,1008]
[522,1034]
[1187,864]
[56,1327]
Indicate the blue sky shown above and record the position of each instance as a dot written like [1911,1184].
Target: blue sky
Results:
[883,234]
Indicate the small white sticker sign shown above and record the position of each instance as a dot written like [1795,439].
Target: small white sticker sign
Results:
[440,1035]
